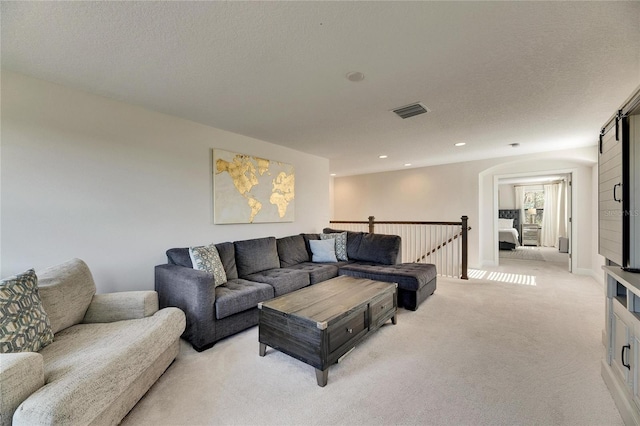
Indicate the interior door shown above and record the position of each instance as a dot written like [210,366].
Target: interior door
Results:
[610,196]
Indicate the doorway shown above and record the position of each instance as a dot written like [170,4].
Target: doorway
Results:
[534,218]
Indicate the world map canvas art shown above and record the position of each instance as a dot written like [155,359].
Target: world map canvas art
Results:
[248,189]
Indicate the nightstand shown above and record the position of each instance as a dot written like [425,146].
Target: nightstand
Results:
[530,234]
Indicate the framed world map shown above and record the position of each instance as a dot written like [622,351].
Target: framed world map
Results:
[248,189]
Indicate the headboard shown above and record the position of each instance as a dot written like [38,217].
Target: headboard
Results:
[511,214]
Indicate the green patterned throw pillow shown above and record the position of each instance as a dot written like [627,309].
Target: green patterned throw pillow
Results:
[341,244]
[24,325]
[207,258]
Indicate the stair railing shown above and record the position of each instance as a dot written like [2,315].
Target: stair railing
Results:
[444,244]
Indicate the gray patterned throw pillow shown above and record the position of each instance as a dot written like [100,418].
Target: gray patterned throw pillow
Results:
[24,325]
[207,258]
[341,244]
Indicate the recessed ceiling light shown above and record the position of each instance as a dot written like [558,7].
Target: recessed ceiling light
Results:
[332,174]
[461,144]
[355,76]
[382,156]
[407,164]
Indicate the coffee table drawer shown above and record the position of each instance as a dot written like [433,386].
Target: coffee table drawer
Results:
[381,309]
[346,329]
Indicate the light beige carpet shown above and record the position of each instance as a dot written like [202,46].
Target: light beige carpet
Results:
[522,253]
[477,352]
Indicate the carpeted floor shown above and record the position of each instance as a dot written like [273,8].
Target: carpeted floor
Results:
[522,253]
[478,352]
[546,254]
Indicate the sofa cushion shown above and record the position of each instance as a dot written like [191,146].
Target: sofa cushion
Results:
[179,256]
[66,291]
[256,255]
[282,280]
[341,243]
[227,254]
[292,250]
[239,295]
[323,250]
[24,324]
[206,258]
[408,276]
[378,248]
[318,272]
[89,366]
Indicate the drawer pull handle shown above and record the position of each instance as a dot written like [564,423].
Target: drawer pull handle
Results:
[383,306]
[350,330]
[622,356]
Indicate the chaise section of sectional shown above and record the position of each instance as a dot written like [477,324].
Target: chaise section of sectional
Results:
[416,281]
[378,256]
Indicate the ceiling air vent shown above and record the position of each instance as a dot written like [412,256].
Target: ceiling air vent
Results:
[411,110]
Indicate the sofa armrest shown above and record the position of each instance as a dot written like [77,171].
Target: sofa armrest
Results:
[21,374]
[193,291]
[125,305]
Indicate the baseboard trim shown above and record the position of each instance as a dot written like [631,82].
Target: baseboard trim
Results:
[591,273]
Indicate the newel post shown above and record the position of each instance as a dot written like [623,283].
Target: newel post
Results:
[465,248]
[371,224]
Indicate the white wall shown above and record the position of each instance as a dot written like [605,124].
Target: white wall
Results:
[437,193]
[446,192]
[117,185]
[507,199]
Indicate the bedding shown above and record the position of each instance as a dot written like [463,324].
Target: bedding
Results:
[508,235]
[508,225]
[505,223]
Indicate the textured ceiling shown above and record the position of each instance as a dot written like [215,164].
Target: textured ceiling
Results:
[545,75]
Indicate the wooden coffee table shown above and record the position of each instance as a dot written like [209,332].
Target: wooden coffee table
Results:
[321,323]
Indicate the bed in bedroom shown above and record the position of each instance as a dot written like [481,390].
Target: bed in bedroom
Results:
[508,225]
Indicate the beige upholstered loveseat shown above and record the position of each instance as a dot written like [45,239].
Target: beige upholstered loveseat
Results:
[108,350]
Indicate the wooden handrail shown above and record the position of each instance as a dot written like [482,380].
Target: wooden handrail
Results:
[444,243]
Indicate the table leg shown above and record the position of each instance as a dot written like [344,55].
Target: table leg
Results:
[263,349]
[394,321]
[322,376]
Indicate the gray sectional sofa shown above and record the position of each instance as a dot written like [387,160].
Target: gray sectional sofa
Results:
[264,268]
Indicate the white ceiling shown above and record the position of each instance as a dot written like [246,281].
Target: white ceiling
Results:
[546,75]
